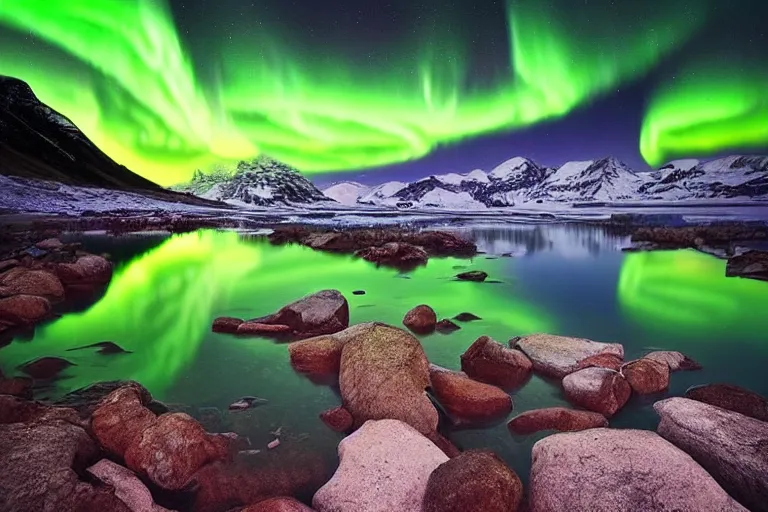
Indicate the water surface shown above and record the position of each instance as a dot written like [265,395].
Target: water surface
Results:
[565,279]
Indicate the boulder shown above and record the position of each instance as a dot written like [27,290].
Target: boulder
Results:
[85,400]
[597,389]
[612,470]
[473,480]
[45,367]
[675,360]
[324,312]
[384,466]
[172,448]
[39,469]
[646,376]
[259,329]
[555,418]
[18,410]
[732,398]
[120,419]
[467,401]
[128,488]
[281,504]
[24,309]
[338,419]
[383,375]
[321,355]
[732,447]
[491,362]
[22,281]
[610,361]
[473,275]
[49,244]
[446,326]
[395,254]
[421,319]
[557,356]
[226,324]
[751,264]
[88,269]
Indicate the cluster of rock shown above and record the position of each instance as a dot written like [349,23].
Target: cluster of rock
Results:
[35,278]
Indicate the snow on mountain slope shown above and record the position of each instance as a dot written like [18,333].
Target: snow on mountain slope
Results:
[606,179]
[383,194]
[506,168]
[346,192]
[685,165]
[440,198]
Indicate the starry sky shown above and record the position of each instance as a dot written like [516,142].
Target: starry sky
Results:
[396,89]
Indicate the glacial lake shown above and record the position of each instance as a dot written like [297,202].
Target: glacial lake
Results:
[567,279]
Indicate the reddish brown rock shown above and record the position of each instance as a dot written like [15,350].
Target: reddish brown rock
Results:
[88,269]
[172,448]
[597,389]
[467,401]
[474,480]
[395,254]
[316,356]
[557,356]
[226,324]
[605,360]
[446,326]
[24,309]
[45,367]
[338,419]
[324,312]
[49,244]
[732,398]
[21,281]
[384,374]
[120,419]
[85,400]
[14,410]
[39,470]
[258,329]
[675,360]
[282,504]
[128,488]
[555,418]
[445,444]
[646,376]
[491,362]
[16,386]
[421,319]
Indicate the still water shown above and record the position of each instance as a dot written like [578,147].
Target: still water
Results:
[563,279]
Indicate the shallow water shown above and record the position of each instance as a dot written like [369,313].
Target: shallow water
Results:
[565,279]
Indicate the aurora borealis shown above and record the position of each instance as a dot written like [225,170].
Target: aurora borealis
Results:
[165,88]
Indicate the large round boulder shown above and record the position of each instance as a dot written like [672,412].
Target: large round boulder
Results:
[557,356]
[321,355]
[384,374]
[467,401]
[473,480]
[119,420]
[491,362]
[281,504]
[384,466]
[24,309]
[421,319]
[732,398]
[646,376]
[620,470]
[22,281]
[324,312]
[88,269]
[555,418]
[597,389]
[732,447]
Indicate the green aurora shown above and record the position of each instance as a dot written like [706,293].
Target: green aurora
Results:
[120,70]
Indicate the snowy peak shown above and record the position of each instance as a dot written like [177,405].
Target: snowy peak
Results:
[607,179]
[382,194]
[512,166]
[346,192]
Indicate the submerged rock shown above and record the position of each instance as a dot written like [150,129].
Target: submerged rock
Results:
[246,403]
[597,389]
[445,326]
[472,275]
[421,319]
[105,347]
[557,356]
[45,367]
[338,419]
[555,418]
[751,264]
[467,401]
[466,317]
[491,362]
[675,360]
[226,324]
[384,467]
[383,375]
[473,480]
[732,398]
[324,312]
[24,309]
[395,254]
[646,376]
[732,447]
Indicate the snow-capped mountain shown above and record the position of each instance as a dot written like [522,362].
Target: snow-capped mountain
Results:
[733,176]
[262,182]
[346,192]
[606,179]
[383,194]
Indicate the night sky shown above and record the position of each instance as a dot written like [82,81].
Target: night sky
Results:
[374,91]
